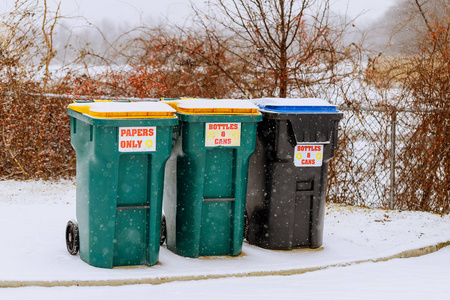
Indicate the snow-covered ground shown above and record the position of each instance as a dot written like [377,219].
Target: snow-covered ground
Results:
[33,216]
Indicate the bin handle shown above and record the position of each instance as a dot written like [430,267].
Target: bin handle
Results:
[217,199]
[296,141]
[133,207]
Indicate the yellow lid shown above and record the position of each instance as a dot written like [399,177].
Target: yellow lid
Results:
[126,110]
[172,103]
[80,107]
[214,107]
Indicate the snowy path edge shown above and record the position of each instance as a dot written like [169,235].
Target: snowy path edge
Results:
[121,282]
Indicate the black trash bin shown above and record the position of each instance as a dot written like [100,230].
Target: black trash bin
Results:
[288,171]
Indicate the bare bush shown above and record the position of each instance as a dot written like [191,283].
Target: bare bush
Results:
[423,80]
[427,169]
[35,137]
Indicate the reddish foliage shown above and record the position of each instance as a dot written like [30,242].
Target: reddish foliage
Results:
[34,138]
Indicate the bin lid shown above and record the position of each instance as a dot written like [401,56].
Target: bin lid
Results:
[215,107]
[295,105]
[124,110]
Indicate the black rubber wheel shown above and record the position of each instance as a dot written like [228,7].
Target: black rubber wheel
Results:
[246,225]
[72,237]
[163,230]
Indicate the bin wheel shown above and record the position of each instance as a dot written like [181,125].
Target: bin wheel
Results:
[246,225]
[72,237]
[163,230]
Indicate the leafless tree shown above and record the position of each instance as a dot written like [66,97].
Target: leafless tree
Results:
[285,45]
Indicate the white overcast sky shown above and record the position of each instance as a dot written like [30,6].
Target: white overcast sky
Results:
[134,12]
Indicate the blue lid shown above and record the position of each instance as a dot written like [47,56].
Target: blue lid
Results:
[297,105]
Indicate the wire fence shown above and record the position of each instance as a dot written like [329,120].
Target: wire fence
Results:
[385,158]
[388,158]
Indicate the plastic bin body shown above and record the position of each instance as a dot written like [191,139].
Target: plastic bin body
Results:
[119,194]
[205,213]
[286,190]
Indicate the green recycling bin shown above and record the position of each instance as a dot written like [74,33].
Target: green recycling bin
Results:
[121,151]
[206,176]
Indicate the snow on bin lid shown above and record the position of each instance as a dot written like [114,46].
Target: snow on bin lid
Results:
[216,107]
[295,105]
[126,110]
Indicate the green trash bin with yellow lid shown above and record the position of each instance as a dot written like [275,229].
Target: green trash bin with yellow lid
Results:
[206,176]
[121,151]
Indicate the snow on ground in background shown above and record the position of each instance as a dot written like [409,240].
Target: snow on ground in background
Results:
[33,216]
[425,277]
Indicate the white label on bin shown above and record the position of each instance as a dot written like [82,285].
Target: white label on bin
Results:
[308,155]
[137,139]
[223,134]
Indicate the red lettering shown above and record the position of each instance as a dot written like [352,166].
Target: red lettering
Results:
[150,132]
[123,132]
[308,161]
[122,144]
[139,132]
[139,143]
[222,141]
[309,148]
[223,126]
[133,132]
